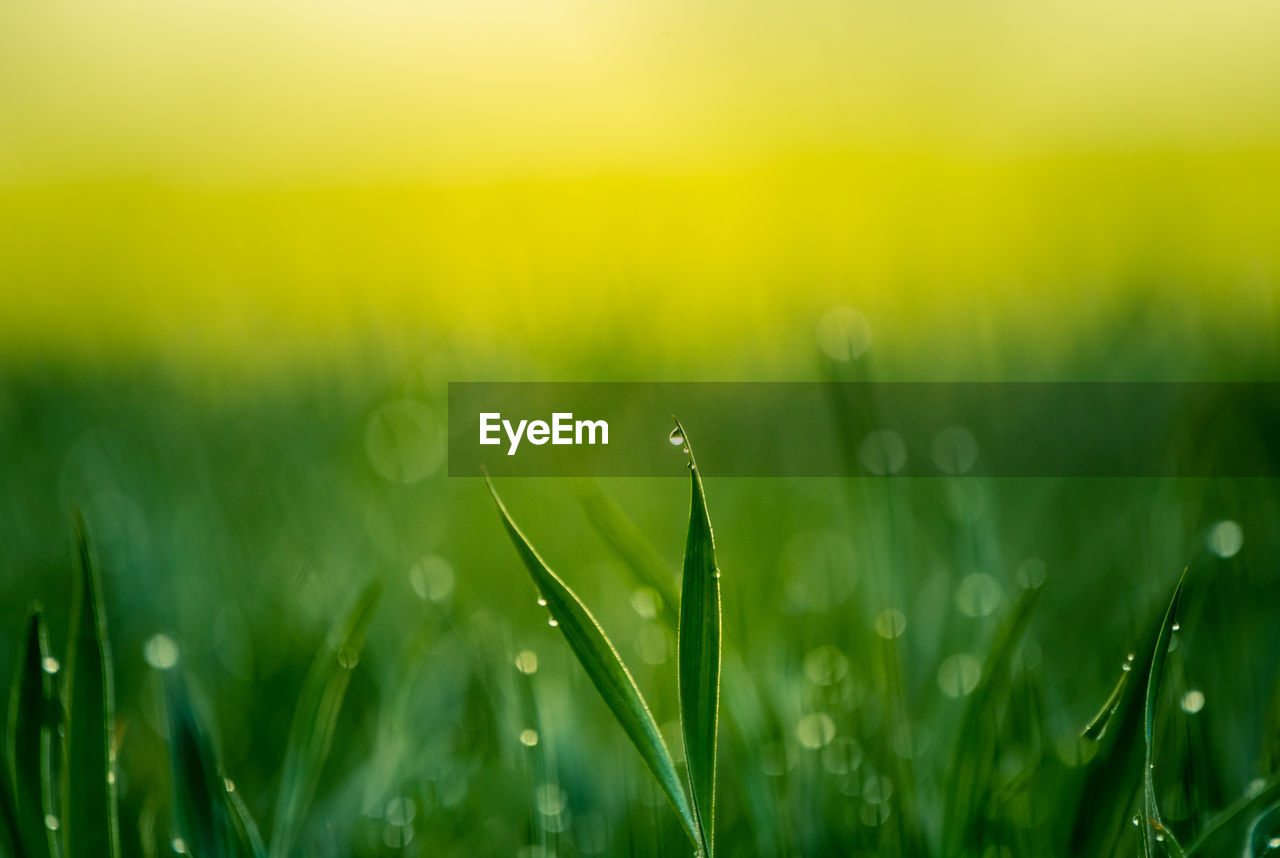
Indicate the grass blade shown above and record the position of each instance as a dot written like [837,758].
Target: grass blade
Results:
[32,722]
[1097,726]
[971,781]
[201,814]
[604,668]
[1263,833]
[316,718]
[89,823]
[699,655]
[1224,830]
[1154,834]
[9,843]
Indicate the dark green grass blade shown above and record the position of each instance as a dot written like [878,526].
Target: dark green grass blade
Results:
[972,778]
[631,546]
[245,829]
[9,844]
[1263,832]
[1097,726]
[32,725]
[699,655]
[202,816]
[315,719]
[1115,775]
[604,668]
[89,818]
[1156,839]
[1225,831]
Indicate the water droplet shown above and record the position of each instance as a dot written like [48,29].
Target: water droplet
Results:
[1177,626]
[1225,539]
[959,675]
[551,621]
[1273,843]
[890,623]
[1137,820]
[1160,837]
[111,777]
[684,449]
[179,845]
[160,651]
[528,738]
[1128,663]
[229,784]
[51,822]
[676,438]
[527,662]
[1192,701]
[816,730]
[50,664]
[542,603]
[716,574]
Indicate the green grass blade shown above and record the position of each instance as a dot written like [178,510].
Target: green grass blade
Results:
[244,827]
[1156,839]
[699,655]
[604,668]
[1263,833]
[9,843]
[201,814]
[1097,726]
[971,779]
[315,719]
[631,546]
[90,824]
[1224,831]
[32,725]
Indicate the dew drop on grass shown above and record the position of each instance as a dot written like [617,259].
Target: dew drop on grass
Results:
[1128,662]
[1273,843]
[528,738]
[160,651]
[50,664]
[1137,820]
[179,845]
[51,822]
[229,784]
[542,603]
[959,675]
[1192,701]
[552,622]
[890,623]
[1225,539]
[527,662]
[816,730]
[676,438]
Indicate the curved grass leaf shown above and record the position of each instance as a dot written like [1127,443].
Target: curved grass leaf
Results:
[1097,726]
[202,814]
[89,819]
[1225,830]
[1156,838]
[1264,833]
[604,668]
[1114,776]
[316,718]
[246,830]
[699,655]
[9,843]
[32,724]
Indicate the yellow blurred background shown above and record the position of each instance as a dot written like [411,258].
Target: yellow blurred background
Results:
[207,181]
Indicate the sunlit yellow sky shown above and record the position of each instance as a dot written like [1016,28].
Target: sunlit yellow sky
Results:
[185,178]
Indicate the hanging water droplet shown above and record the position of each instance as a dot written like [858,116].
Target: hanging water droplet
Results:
[552,622]
[51,822]
[542,603]
[1273,843]
[229,784]
[684,449]
[1128,662]
[1176,626]
[1137,820]
[716,575]
[50,664]
[676,438]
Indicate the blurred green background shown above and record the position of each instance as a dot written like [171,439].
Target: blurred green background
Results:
[238,242]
